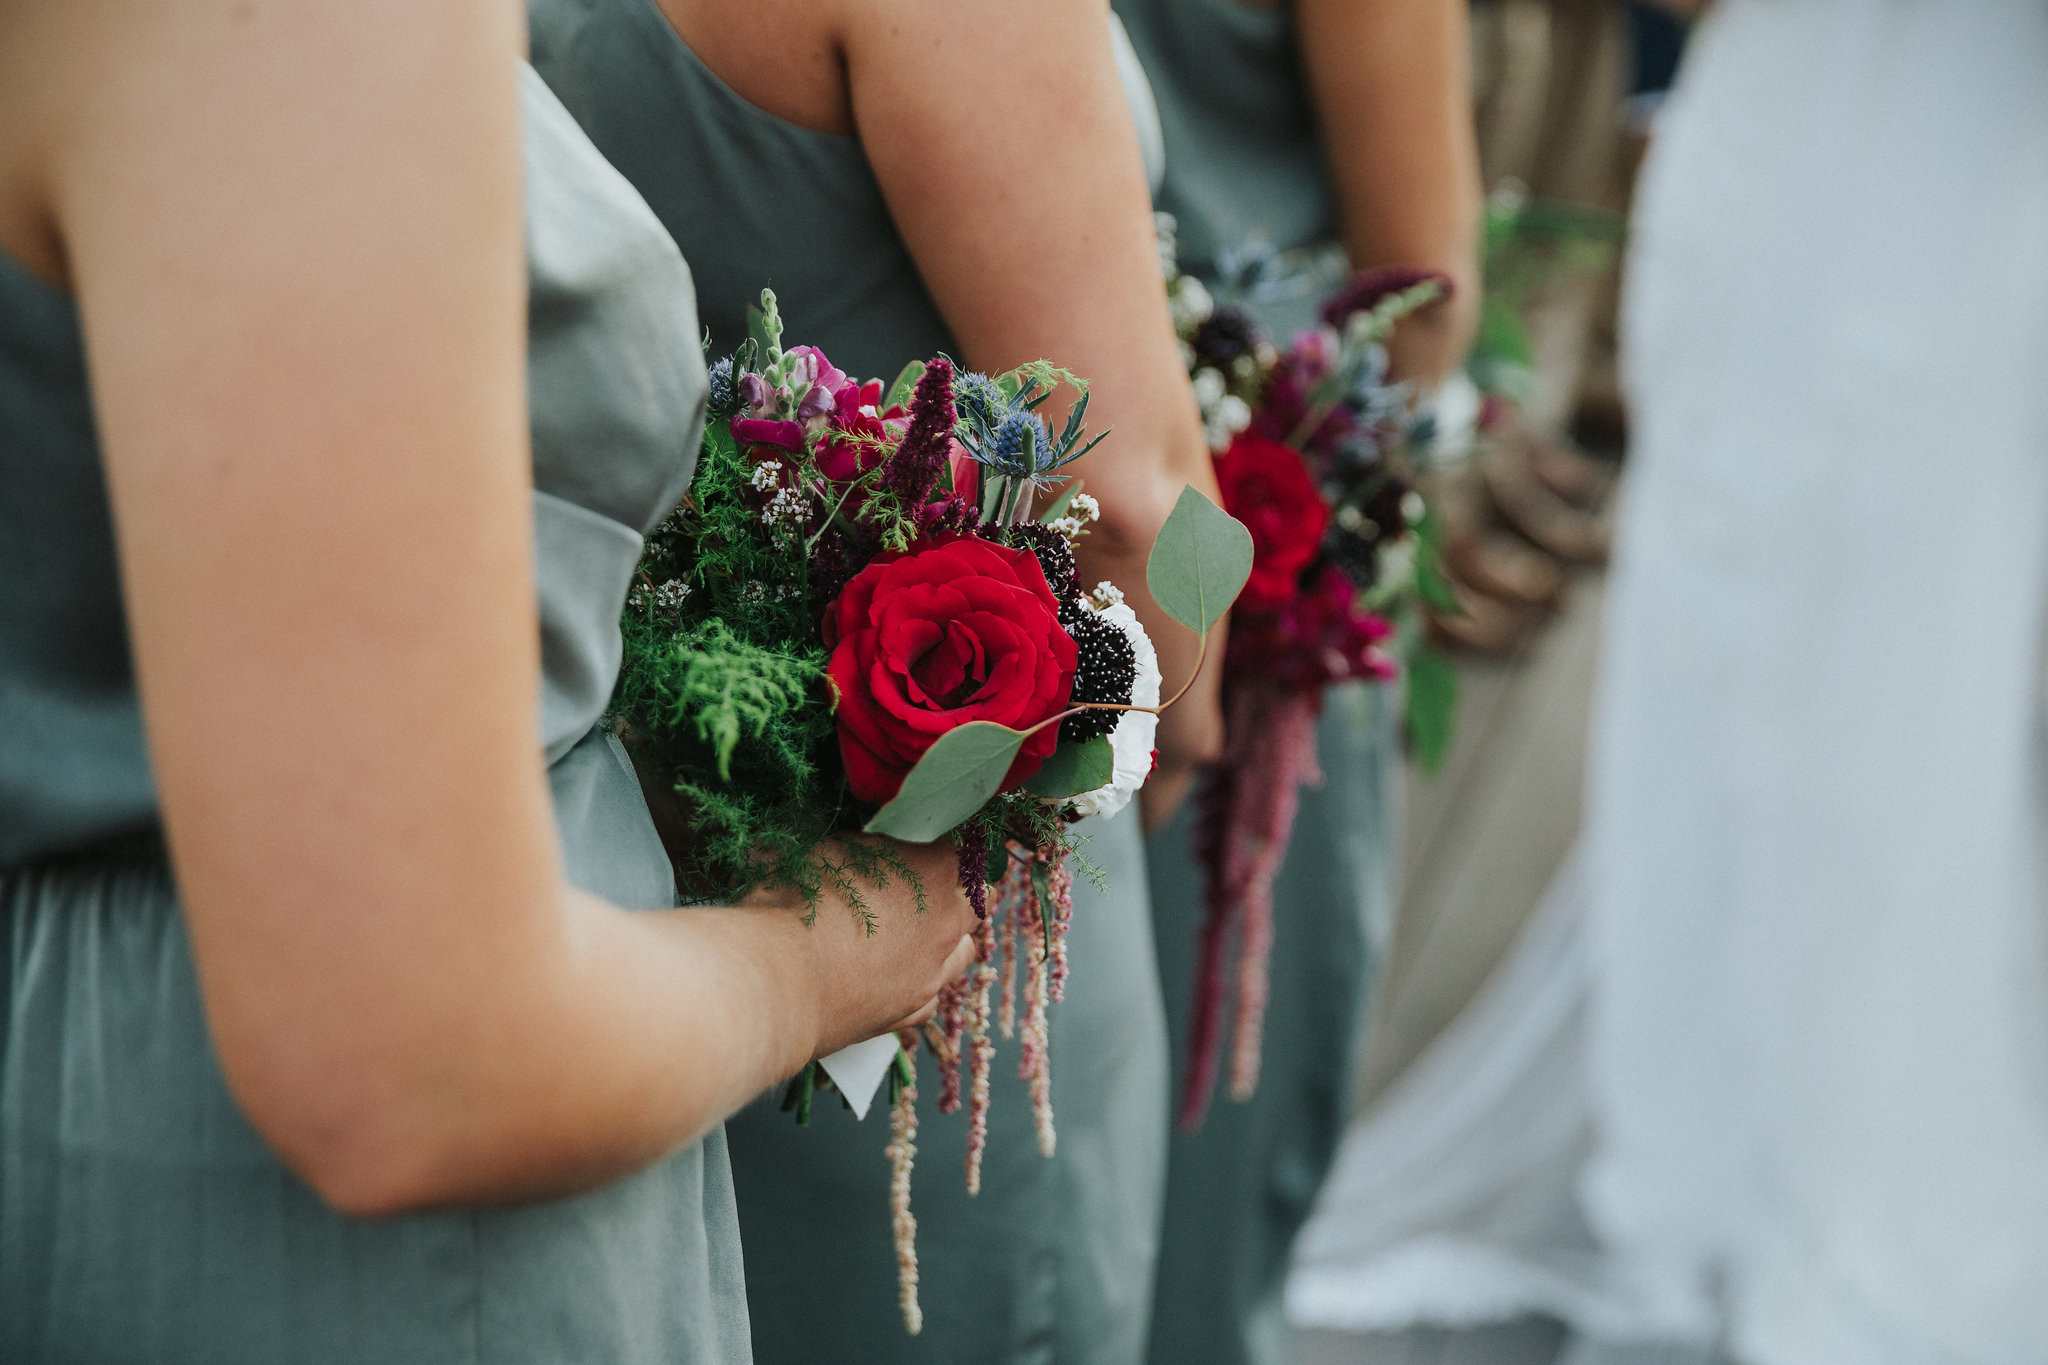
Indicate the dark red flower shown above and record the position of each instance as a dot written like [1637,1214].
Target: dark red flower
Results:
[1323,635]
[952,630]
[1266,485]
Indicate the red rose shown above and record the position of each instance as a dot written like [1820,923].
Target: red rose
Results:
[952,630]
[1266,485]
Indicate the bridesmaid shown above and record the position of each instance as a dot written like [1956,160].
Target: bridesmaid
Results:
[955,176]
[302,975]
[1336,134]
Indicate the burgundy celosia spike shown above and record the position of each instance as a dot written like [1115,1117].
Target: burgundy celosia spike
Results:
[951,1021]
[1365,289]
[973,858]
[1063,917]
[913,472]
[1214,807]
[1267,809]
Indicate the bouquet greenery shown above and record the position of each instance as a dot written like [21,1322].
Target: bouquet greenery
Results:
[862,622]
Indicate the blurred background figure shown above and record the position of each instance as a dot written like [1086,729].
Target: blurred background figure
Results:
[1450,1230]
[1762,1080]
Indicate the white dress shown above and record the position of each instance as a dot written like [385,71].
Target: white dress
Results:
[1815,933]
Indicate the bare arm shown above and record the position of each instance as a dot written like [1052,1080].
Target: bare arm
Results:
[1002,139]
[1393,89]
[294,231]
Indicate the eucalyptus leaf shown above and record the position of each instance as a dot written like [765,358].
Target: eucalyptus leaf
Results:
[905,385]
[1430,583]
[953,780]
[1432,707]
[1199,563]
[1075,768]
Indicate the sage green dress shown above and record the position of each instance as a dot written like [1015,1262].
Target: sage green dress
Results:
[142,1219]
[1245,164]
[1052,1262]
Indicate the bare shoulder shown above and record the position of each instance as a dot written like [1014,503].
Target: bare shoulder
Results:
[786,57]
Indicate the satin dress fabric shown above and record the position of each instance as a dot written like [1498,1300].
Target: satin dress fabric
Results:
[1053,1260]
[142,1218]
[1247,181]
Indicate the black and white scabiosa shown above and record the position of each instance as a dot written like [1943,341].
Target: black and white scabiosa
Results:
[1133,657]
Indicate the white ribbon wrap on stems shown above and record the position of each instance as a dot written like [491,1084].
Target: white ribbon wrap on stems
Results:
[858,1070]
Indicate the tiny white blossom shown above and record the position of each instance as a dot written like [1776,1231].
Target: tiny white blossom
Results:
[1397,562]
[767,475]
[1107,595]
[753,593]
[1069,527]
[1230,416]
[1190,303]
[784,512]
[1086,507]
[672,594]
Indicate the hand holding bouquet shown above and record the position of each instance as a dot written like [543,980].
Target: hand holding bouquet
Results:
[860,622]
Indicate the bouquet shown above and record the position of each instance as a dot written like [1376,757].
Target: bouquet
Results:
[860,621]
[1317,453]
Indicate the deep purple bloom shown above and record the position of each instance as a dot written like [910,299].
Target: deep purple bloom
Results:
[921,460]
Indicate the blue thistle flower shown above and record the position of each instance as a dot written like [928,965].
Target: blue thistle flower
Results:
[725,394]
[1019,445]
[981,402]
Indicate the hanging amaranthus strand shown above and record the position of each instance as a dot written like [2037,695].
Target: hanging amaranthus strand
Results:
[981,1049]
[1010,951]
[901,1151]
[1246,811]
[1063,918]
[1035,931]
[951,1022]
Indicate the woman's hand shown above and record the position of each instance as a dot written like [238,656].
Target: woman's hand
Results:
[1430,344]
[880,965]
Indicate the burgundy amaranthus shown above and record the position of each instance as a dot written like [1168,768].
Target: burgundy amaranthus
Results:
[1243,818]
[1366,288]
[913,473]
